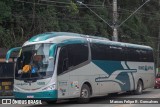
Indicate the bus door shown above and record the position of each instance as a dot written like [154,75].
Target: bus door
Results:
[62,75]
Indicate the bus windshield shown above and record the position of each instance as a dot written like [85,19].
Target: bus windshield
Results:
[34,63]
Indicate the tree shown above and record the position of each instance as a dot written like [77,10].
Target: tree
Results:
[20,20]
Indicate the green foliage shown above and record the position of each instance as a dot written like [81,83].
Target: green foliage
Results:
[47,20]
[19,20]
[5,12]
[72,9]
[89,26]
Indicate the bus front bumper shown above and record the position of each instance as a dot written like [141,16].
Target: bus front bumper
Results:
[45,95]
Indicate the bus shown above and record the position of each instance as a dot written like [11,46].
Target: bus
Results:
[64,65]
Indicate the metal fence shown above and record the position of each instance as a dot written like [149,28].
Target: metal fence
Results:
[6,78]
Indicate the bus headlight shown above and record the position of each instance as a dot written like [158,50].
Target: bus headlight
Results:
[156,81]
[51,87]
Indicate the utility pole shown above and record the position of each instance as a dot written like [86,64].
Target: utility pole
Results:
[114,26]
[115,18]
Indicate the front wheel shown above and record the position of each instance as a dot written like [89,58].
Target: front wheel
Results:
[139,88]
[85,94]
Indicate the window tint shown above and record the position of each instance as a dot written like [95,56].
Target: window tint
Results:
[117,53]
[133,54]
[140,55]
[98,51]
[72,55]
[120,53]
[62,61]
[107,52]
[77,54]
[150,56]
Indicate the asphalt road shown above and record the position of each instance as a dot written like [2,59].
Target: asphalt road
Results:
[105,101]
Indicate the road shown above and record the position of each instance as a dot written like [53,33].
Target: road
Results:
[104,101]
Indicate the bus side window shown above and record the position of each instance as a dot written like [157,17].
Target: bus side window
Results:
[77,54]
[150,56]
[62,61]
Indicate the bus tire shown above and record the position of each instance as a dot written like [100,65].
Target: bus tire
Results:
[85,94]
[139,88]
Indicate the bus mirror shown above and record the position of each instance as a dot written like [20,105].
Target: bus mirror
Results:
[52,51]
[10,51]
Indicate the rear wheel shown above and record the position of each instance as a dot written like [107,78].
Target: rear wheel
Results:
[85,94]
[139,88]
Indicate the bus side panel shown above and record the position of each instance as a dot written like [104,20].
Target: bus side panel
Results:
[79,76]
[76,85]
[102,82]
[145,71]
[63,82]
[104,76]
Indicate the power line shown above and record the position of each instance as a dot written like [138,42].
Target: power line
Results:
[55,2]
[146,13]
[91,6]
[71,3]
[95,13]
[133,13]
[38,3]
[141,15]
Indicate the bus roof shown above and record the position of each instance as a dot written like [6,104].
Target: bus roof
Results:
[121,44]
[94,39]
[49,35]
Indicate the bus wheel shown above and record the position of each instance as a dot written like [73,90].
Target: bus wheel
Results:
[139,89]
[85,94]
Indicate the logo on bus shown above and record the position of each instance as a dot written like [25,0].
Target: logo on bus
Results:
[41,83]
[145,68]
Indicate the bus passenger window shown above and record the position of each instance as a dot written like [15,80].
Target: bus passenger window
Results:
[63,61]
[77,54]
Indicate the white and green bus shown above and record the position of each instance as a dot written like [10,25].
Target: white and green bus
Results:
[61,65]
